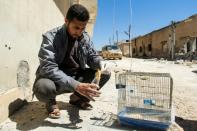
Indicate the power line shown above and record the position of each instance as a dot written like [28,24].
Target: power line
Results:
[113,20]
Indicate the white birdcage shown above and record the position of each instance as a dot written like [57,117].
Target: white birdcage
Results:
[145,99]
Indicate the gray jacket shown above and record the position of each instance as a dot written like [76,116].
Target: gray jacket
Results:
[52,52]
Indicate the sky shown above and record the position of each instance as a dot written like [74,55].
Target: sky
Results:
[144,16]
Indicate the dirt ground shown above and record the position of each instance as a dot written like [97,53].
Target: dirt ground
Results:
[103,116]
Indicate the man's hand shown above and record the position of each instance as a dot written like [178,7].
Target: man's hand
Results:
[88,90]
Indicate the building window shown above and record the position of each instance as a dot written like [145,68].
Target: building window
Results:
[140,49]
[188,47]
[196,43]
[133,50]
[149,47]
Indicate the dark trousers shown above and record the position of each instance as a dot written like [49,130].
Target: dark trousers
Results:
[45,89]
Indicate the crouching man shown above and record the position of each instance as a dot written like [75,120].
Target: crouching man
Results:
[64,55]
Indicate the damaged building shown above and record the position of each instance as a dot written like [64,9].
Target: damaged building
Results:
[177,40]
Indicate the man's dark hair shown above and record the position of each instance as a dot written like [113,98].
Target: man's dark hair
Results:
[79,12]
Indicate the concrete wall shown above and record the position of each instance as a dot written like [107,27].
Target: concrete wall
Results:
[186,31]
[160,43]
[124,47]
[91,5]
[22,23]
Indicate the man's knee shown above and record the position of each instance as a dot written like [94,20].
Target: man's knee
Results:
[44,89]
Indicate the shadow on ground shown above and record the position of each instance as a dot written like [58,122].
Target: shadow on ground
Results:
[34,115]
[194,71]
[109,120]
[187,125]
